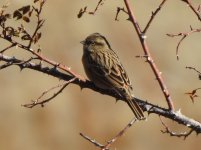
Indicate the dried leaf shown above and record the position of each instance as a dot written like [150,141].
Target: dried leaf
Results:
[37,37]
[17,15]
[25,9]
[26,19]
[81,12]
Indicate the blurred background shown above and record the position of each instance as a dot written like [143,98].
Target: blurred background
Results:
[58,124]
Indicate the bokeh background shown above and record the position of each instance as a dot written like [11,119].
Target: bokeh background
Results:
[58,124]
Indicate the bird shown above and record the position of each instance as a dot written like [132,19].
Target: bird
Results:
[103,67]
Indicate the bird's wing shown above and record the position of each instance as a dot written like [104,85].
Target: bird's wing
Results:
[107,66]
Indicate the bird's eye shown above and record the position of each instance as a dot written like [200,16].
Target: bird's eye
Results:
[92,43]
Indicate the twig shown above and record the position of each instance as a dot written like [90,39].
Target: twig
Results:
[123,131]
[38,102]
[119,9]
[41,57]
[184,35]
[84,10]
[196,11]
[93,141]
[40,22]
[153,16]
[149,58]
[193,94]
[114,139]
[193,69]
[171,133]
[7,48]
[100,2]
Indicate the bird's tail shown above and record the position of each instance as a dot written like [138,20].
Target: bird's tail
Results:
[135,108]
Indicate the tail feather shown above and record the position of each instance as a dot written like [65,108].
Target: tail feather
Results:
[135,108]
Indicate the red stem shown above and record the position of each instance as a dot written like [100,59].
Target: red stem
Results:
[149,57]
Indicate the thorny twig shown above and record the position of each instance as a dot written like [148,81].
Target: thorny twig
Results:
[171,133]
[199,73]
[119,9]
[193,94]
[110,142]
[93,141]
[184,35]
[196,11]
[153,16]
[38,101]
[149,58]
[84,10]
[7,48]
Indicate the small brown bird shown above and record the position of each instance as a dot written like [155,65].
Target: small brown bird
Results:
[103,67]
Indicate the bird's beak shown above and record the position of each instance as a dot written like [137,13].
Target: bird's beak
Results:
[82,42]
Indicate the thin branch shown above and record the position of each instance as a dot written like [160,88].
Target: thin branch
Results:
[38,101]
[149,58]
[114,139]
[193,69]
[7,48]
[153,16]
[100,2]
[40,22]
[196,11]
[93,141]
[123,131]
[199,73]
[84,10]
[193,94]
[119,9]
[171,133]
[41,57]
[183,36]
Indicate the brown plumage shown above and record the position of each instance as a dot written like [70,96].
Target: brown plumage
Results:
[103,67]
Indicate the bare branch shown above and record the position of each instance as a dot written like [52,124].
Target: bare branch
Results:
[38,101]
[199,73]
[171,133]
[93,141]
[114,139]
[193,94]
[149,58]
[183,35]
[119,9]
[7,48]
[153,16]
[84,10]
[196,11]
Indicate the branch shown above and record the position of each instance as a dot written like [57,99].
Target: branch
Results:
[196,11]
[38,100]
[114,139]
[183,36]
[199,73]
[171,133]
[153,16]
[148,57]
[146,106]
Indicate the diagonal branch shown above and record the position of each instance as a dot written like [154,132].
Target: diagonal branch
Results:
[114,139]
[38,102]
[153,16]
[148,57]
[196,11]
